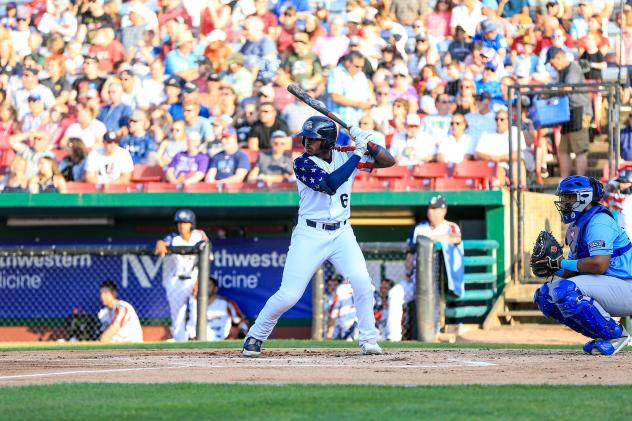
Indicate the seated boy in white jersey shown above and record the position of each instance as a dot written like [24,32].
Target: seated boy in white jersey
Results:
[119,321]
[222,314]
[324,177]
[181,270]
[436,228]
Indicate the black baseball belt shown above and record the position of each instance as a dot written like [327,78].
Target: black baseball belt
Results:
[332,226]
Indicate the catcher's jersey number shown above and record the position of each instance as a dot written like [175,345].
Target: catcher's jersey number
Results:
[344,200]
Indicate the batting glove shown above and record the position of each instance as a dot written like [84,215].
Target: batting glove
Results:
[361,139]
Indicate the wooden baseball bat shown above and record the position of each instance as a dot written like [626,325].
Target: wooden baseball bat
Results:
[298,92]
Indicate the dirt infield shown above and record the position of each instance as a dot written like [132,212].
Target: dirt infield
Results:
[396,366]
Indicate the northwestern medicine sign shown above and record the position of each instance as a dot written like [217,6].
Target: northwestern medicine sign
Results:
[248,270]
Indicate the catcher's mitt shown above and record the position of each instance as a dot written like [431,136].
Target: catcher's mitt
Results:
[547,255]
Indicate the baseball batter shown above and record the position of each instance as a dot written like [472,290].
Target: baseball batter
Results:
[324,176]
[596,279]
[181,270]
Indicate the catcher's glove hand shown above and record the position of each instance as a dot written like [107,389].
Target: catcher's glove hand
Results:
[547,255]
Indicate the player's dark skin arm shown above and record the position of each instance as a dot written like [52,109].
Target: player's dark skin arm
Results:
[383,159]
[594,265]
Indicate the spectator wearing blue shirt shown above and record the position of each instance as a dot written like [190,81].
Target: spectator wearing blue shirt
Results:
[489,82]
[116,114]
[182,61]
[138,142]
[299,5]
[194,123]
[490,37]
[348,89]
[259,50]
[513,7]
[232,164]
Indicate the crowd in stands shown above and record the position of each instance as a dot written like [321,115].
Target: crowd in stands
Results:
[193,91]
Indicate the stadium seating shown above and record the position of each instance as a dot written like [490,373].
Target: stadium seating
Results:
[157,187]
[60,154]
[369,184]
[410,184]
[252,156]
[242,187]
[431,171]
[480,171]
[283,186]
[201,188]
[78,187]
[147,173]
[442,184]
[119,188]
[396,171]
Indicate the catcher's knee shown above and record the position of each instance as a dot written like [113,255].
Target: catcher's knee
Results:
[543,300]
[582,314]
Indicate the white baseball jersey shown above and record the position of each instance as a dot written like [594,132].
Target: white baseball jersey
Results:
[311,246]
[220,314]
[315,204]
[425,230]
[124,315]
[179,265]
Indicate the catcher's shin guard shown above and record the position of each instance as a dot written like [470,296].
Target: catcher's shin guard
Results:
[545,303]
[584,311]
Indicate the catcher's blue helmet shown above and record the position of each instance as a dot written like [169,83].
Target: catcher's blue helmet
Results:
[320,128]
[576,193]
[185,215]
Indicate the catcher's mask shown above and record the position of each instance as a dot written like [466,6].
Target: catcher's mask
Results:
[575,194]
[320,128]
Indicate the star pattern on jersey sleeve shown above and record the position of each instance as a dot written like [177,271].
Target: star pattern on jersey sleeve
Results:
[309,173]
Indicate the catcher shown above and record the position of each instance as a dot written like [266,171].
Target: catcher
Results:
[596,279]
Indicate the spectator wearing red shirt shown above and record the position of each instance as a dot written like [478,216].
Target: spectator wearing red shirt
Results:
[216,15]
[107,49]
[172,9]
[551,24]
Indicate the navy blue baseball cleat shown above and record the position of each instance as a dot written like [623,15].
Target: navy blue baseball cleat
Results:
[252,347]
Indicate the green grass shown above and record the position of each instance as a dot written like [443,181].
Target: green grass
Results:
[184,401]
[279,343]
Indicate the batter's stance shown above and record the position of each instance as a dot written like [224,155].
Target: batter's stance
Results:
[324,177]
[597,282]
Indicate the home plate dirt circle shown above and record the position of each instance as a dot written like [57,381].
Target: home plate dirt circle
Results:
[316,366]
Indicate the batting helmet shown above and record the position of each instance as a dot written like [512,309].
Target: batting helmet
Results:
[576,193]
[185,215]
[320,128]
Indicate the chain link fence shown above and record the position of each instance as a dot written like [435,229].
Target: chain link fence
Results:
[388,266]
[53,293]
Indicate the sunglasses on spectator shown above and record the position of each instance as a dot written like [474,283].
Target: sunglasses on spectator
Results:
[456,123]
[445,101]
[500,119]
[38,138]
[176,129]
[189,110]
[365,123]
[383,93]
[265,110]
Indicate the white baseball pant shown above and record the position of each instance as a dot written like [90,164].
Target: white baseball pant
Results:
[178,293]
[309,248]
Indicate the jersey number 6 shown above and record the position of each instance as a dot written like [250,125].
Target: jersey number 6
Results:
[344,200]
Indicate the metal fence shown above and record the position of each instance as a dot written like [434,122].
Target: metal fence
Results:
[52,293]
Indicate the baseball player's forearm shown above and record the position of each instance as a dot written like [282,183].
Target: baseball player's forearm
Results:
[382,157]
[109,333]
[596,265]
[342,174]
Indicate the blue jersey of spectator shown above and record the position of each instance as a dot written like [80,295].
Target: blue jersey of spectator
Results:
[114,116]
[299,5]
[227,165]
[175,110]
[139,147]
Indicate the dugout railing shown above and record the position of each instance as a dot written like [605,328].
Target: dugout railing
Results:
[51,292]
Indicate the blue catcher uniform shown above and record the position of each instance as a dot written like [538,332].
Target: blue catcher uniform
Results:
[587,302]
